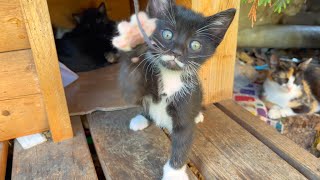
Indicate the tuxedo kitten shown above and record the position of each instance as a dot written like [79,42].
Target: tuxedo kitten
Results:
[88,46]
[290,89]
[164,80]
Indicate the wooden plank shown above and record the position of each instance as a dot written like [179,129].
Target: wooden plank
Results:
[299,158]
[127,154]
[224,150]
[70,159]
[18,75]
[95,90]
[22,116]
[13,34]
[39,30]
[218,73]
[3,158]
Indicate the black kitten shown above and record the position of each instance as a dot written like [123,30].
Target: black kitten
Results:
[165,80]
[88,46]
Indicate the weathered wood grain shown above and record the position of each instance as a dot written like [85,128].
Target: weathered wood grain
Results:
[125,154]
[18,75]
[95,90]
[296,156]
[3,158]
[13,34]
[22,116]
[40,34]
[69,159]
[224,150]
[218,73]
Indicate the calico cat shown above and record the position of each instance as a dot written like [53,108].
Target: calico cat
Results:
[88,46]
[164,80]
[289,91]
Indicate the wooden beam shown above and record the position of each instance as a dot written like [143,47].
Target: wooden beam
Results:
[41,39]
[218,73]
[299,158]
[3,159]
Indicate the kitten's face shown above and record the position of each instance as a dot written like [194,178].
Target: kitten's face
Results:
[186,38]
[288,75]
[93,20]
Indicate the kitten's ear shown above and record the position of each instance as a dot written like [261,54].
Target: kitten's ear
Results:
[220,22]
[304,65]
[102,8]
[157,8]
[77,18]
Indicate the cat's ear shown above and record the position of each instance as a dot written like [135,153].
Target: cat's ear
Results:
[77,18]
[219,23]
[157,8]
[102,8]
[304,65]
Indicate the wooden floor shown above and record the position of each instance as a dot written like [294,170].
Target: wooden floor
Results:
[230,144]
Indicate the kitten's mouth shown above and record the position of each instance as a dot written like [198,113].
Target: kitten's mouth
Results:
[171,62]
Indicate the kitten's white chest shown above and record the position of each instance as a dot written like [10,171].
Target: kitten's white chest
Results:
[274,94]
[169,83]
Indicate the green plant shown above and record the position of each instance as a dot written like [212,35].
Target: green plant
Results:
[277,5]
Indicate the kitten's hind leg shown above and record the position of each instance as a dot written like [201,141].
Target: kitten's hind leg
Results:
[139,122]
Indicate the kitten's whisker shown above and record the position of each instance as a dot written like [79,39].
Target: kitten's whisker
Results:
[154,38]
[208,26]
[211,36]
[140,64]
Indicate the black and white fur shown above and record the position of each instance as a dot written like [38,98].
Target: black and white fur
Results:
[165,81]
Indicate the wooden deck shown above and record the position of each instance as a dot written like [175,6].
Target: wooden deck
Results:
[230,144]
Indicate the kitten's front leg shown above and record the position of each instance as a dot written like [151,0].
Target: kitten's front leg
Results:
[181,141]
[277,112]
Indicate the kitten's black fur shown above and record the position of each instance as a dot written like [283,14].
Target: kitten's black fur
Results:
[85,47]
[142,79]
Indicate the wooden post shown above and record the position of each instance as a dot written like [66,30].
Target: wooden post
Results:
[3,158]
[41,39]
[218,73]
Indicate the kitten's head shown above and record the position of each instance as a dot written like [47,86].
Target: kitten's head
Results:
[287,75]
[185,37]
[93,20]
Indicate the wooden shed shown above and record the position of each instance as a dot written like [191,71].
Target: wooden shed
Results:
[230,144]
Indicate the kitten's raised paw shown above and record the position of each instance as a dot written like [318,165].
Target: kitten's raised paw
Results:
[129,32]
[199,118]
[139,123]
[174,174]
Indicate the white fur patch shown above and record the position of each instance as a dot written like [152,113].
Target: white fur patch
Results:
[277,112]
[158,112]
[199,118]
[278,94]
[138,123]
[170,81]
[174,174]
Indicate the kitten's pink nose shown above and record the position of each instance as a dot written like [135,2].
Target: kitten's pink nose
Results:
[289,88]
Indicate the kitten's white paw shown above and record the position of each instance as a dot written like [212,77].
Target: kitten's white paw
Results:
[199,118]
[139,123]
[274,113]
[174,174]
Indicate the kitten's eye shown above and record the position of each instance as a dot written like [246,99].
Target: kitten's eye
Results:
[167,34]
[195,45]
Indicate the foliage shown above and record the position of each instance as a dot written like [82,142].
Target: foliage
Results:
[277,5]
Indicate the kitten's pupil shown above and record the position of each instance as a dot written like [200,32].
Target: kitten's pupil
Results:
[195,45]
[167,34]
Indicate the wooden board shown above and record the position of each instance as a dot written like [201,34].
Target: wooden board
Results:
[3,158]
[127,154]
[218,73]
[299,158]
[39,30]
[95,90]
[22,116]
[224,150]
[13,34]
[70,159]
[18,76]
